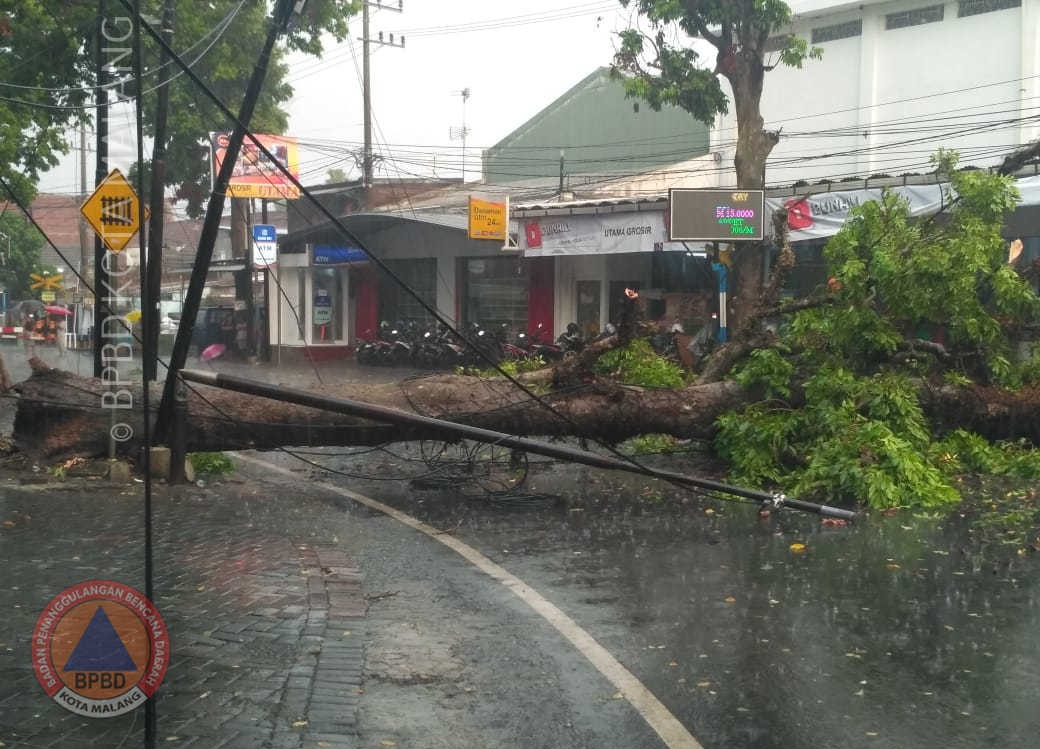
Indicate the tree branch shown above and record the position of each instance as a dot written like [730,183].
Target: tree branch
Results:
[751,335]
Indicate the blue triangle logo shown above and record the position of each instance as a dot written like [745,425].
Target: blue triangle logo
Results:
[99,648]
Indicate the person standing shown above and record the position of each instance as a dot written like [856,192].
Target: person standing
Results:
[59,335]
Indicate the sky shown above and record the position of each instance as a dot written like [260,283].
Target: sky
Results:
[514,58]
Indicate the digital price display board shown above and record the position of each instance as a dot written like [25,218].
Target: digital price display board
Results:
[716,215]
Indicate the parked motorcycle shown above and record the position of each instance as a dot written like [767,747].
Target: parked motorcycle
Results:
[540,344]
[374,348]
[571,340]
[402,340]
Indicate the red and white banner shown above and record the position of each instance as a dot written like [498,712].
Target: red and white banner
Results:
[605,234]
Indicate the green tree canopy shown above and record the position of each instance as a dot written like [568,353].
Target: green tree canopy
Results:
[20,246]
[930,301]
[662,64]
[47,73]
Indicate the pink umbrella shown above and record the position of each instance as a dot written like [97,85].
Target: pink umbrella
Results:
[212,351]
[54,309]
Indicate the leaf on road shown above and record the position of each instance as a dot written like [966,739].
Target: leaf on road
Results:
[797,548]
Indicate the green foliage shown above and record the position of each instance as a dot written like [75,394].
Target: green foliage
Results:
[212,464]
[898,277]
[638,364]
[662,68]
[856,440]
[335,176]
[855,433]
[47,52]
[43,67]
[652,444]
[24,243]
[768,369]
[511,367]
[965,452]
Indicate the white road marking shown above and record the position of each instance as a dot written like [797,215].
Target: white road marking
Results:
[667,726]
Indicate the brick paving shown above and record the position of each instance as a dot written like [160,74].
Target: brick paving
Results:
[264,606]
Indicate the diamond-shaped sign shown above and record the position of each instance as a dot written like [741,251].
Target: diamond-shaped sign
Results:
[114,211]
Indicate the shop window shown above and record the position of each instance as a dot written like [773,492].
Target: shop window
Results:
[327,306]
[396,304]
[494,291]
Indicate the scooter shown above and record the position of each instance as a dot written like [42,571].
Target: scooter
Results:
[540,345]
[373,348]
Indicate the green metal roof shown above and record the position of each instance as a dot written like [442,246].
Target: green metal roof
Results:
[601,133]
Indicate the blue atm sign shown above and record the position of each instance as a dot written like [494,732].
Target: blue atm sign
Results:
[265,246]
[328,254]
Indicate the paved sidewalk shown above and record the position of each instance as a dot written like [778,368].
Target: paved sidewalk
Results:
[263,603]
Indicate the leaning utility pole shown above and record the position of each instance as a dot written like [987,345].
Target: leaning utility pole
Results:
[85,244]
[101,308]
[366,85]
[279,22]
[157,220]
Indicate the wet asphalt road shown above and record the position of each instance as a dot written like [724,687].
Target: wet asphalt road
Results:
[899,632]
[754,632]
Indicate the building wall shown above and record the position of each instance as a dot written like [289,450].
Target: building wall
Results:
[891,93]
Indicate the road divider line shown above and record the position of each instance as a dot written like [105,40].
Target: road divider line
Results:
[658,717]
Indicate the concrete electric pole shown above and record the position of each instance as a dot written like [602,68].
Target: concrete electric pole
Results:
[366,40]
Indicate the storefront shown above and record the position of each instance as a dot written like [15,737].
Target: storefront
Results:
[598,249]
[326,295]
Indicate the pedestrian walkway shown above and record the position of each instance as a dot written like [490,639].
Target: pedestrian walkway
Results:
[263,604]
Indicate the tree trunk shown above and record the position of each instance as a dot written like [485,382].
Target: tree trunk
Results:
[751,332]
[60,415]
[754,145]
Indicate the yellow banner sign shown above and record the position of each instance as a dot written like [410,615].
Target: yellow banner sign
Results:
[488,220]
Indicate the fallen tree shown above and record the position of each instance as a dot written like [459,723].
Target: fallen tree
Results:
[904,371]
[60,415]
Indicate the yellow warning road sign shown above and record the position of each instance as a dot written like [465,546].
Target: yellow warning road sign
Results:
[47,283]
[114,211]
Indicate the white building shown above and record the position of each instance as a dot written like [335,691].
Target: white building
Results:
[898,80]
